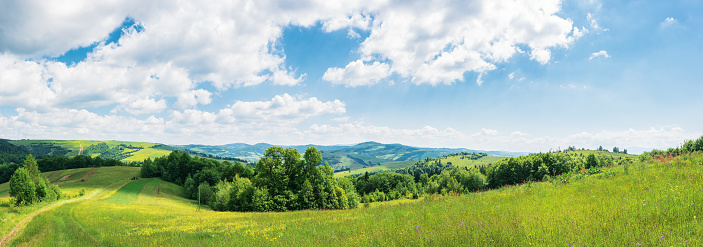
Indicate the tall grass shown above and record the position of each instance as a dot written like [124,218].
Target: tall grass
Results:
[656,204]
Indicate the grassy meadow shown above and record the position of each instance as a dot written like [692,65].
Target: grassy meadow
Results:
[379,168]
[651,204]
[457,161]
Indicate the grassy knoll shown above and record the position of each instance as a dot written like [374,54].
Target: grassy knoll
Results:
[652,204]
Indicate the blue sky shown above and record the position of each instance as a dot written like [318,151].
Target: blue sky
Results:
[492,75]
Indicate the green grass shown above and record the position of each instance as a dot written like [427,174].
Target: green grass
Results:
[457,161]
[653,204]
[371,169]
[129,192]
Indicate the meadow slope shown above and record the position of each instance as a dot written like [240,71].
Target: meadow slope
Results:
[654,204]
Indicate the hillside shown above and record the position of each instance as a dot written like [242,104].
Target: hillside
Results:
[342,157]
[651,204]
[462,159]
[10,149]
[584,153]
[120,150]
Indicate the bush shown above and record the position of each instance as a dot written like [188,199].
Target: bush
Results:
[22,188]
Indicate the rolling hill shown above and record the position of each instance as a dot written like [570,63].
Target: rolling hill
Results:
[121,150]
[342,157]
[651,203]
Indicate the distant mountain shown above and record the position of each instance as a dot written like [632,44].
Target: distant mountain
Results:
[341,156]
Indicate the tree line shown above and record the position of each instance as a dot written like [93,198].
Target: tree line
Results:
[55,163]
[434,177]
[689,146]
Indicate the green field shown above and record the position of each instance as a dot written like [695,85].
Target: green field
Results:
[652,204]
[129,192]
[459,162]
[379,168]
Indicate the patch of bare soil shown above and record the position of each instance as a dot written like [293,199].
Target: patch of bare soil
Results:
[89,174]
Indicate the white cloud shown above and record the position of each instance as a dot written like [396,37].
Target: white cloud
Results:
[515,76]
[486,132]
[437,43]
[361,21]
[594,23]
[668,22]
[46,84]
[357,73]
[235,44]
[601,53]
[282,108]
[50,28]
[541,55]
[517,133]
[193,97]
[146,106]
[252,121]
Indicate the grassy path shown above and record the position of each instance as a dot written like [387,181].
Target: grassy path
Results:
[23,223]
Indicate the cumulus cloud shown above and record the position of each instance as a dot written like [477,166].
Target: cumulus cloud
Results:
[437,43]
[601,53]
[280,110]
[284,108]
[236,44]
[357,74]
[193,97]
[39,28]
[48,84]
[146,106]
[253,121]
